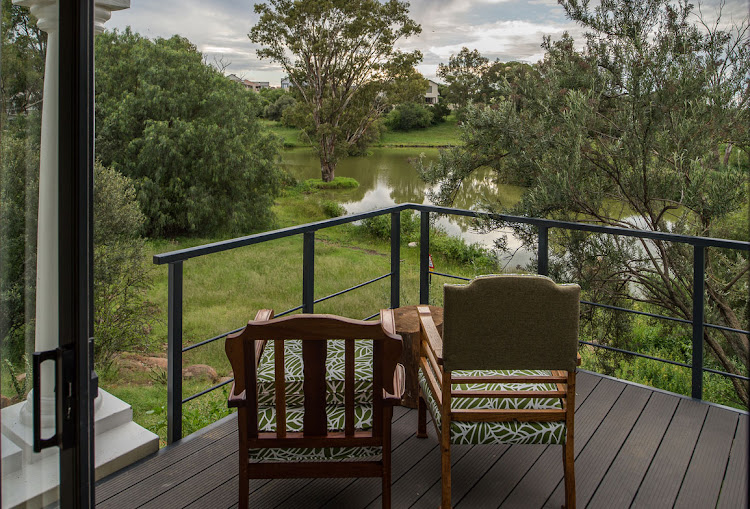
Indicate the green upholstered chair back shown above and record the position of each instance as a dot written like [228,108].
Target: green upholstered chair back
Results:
[509,322]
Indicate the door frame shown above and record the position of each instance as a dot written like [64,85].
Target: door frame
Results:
[76,169]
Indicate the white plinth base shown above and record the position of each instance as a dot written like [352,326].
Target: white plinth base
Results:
[34,480]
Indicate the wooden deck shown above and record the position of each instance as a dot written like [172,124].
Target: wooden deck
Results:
[635,447]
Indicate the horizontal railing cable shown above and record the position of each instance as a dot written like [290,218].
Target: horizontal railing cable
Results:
[199,394]
[225,334]
[342,292]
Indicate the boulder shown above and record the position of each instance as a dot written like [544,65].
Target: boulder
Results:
[5,401]
[200,371]
[412,244]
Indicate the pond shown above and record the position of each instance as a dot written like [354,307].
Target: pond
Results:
[387,177]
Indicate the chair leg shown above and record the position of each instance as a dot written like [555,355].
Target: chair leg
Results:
[421,416]
[244,483]
[570,479]
[445,471]
[387,417]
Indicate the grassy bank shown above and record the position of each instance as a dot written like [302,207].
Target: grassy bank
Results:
[223,291]
[441,135]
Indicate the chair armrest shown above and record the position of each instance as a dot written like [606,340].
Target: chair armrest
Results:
[578,359]
[399,385]
[428,329]
[236,400]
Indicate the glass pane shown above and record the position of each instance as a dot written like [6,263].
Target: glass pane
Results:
[28,318]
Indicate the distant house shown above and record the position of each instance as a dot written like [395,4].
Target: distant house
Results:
[285,84]
[432,95]
[254,86]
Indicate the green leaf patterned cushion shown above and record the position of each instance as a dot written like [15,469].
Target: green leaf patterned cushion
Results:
[336,419]
[334,373]
[274,455]
[334,413]
[499,432]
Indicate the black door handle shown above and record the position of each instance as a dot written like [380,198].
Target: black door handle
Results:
[37,359]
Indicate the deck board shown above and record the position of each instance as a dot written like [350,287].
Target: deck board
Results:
[708,465]
[633,446]
[734,491]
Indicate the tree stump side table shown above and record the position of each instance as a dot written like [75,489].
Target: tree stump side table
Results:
[407,325]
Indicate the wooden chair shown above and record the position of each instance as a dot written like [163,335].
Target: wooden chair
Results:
[314,404]
[504,370]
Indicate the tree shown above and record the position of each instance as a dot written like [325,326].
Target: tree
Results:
[186,135]
[464,77]
[340,57]
[24,47]
[629,132]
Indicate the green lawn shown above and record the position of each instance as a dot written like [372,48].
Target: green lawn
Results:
[223,291]
[441,135]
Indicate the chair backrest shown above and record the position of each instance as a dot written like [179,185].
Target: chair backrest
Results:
[245,347]
[511,322]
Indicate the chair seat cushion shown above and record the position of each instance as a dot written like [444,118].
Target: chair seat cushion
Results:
[336,418]
[299,454]
[499,432]
[294,375]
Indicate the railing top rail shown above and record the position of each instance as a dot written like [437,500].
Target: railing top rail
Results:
[225,245]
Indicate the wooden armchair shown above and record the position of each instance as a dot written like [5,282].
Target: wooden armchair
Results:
[318,401]
[504,370]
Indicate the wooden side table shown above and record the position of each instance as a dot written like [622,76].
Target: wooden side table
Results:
[407,325]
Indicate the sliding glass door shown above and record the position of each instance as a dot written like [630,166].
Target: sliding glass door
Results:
[46,129]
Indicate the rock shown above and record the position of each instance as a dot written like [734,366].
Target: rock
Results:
[200,371]
[157,362]
[5,401]
[412,244]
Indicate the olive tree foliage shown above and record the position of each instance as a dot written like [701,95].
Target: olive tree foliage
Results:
[645,128]
[189,138]
[123,316]
[340,57]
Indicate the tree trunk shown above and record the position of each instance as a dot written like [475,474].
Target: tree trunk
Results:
[327,159]
[327,169]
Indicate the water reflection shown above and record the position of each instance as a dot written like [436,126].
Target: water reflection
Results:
[387,177]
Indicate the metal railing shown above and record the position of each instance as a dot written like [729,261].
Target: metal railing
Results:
[175,261]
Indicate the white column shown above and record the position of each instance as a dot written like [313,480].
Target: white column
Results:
[47,275]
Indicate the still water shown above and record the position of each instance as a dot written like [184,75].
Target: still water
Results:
[387,177]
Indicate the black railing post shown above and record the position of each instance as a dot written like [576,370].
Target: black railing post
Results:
[699,260]
[308,273]
[395,259]
[174,353]
[543,251]
[424,257]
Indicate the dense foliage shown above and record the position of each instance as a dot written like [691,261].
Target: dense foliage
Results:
[24,47]
[408,116]
[122,274]
[187,136]
[646,128]
[340,57]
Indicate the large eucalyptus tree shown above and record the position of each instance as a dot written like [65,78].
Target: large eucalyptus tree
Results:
[340,55]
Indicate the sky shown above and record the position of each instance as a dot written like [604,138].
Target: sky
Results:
[499,29]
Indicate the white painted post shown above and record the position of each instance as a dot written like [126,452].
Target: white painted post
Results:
[47,274]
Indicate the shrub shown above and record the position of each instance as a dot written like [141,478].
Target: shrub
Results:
[122,315]
[336,183]
[332,208]
[275,110]
[408,116]
[439,112]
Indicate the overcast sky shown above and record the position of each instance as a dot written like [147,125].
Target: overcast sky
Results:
[504,29]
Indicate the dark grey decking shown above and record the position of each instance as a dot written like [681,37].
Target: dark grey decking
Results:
[635,447]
